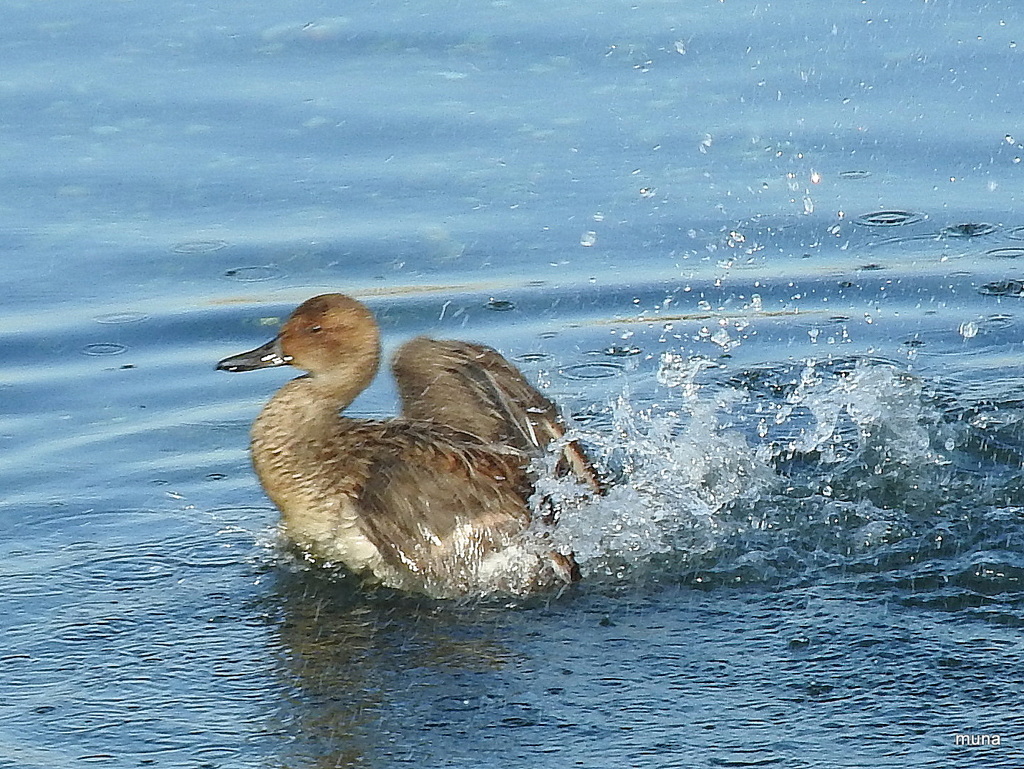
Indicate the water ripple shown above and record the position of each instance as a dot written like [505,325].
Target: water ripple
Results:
[599,370]
[104,348]
[893,218]
[129,568]
[1003,288]
[121,317]
[1007,252]
[533,357]
[500,305]
[967,230]
[621,351]
[254,273]
[199,246]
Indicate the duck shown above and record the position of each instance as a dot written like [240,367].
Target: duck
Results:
[436,500]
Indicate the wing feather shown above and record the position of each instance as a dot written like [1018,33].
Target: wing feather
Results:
[472,388]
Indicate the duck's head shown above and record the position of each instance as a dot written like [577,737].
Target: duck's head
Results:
[329,335]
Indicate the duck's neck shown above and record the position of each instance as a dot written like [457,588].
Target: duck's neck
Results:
[306,409]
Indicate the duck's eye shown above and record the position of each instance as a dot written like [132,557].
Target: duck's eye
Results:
[315,329]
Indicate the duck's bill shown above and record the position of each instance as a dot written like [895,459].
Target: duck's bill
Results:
[266,356]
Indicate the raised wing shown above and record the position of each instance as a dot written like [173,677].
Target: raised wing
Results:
[472,388]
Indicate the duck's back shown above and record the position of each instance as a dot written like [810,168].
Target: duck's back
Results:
[472,388]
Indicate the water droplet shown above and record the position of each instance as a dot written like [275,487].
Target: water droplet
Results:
[722,339]
[968,329]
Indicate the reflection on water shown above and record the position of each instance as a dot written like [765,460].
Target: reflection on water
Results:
[344,657]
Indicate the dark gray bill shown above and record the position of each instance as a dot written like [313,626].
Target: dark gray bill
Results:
[266,356]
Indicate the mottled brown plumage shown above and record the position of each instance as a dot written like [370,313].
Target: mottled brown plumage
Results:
[434,501]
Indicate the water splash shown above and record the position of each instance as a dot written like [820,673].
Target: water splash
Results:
[763,475]
[678,470]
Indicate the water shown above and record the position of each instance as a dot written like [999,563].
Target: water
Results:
[767,256]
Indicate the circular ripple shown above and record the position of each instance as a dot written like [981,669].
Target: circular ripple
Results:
[1016,233]
[532,357]
[128,568]
[1007,252]
[253,274]
[1003,288]
[854,174]
[1000,321]
[500,305]
[28,585]
[968,230]
[621,351]
[216,753]
[591,370]
[199,246]
[889,218]
[104,348]
[121,317]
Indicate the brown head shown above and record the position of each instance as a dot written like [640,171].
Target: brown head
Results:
[332,336]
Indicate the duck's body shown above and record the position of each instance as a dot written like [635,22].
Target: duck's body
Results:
[434,501]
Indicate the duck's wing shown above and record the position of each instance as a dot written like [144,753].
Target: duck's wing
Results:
[440,511]
[473,389]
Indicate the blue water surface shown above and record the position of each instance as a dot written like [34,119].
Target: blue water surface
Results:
[767,256]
